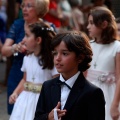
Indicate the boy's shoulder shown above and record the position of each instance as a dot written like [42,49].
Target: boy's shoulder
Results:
[91,88]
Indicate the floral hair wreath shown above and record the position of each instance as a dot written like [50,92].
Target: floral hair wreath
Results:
[48,29]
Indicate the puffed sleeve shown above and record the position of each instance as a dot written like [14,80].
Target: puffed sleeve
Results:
[23,68]
[118,49]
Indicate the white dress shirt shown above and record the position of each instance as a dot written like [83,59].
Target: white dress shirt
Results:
[65,90]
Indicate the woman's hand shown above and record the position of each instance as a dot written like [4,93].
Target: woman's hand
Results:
[60,113]
[13,98]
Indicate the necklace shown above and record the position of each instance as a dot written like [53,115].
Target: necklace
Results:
[33,78]
[34,68]
[94,64]
[98,55]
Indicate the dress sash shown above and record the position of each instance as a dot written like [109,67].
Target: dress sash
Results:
[99,76]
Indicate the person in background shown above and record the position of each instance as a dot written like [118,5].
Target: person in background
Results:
[105,65]
[66,10]
[55,14]
[32,10]
[18,10]
[3,14]
[3,20]
[65,6]
[37,67]
[77,17]
[70,96]
[94,3]
[2,37]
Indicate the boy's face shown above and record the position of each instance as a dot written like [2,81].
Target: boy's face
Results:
[118,29]
[65,61]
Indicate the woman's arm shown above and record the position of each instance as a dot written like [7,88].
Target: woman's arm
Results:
[7,48]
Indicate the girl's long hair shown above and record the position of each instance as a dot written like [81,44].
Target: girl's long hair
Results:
[47,33]
[101,14]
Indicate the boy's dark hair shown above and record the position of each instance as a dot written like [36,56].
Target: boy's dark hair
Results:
[77,42]
[43,30]
[101,14]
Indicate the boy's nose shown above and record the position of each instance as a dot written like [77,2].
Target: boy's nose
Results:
[58,57]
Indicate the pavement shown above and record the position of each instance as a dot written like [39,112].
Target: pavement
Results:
[3,93]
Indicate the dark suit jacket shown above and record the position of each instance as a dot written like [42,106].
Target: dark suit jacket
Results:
[85,101]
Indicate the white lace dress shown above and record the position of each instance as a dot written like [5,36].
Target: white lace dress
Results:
[25,106]
[102,70]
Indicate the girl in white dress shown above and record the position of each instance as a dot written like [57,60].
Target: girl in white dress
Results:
[105,66]
[37,67]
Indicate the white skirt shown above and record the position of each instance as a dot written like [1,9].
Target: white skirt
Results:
[105,81]
[25,106]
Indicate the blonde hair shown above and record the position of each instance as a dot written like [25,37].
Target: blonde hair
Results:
[42,7]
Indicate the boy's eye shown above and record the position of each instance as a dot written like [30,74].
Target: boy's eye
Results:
[64,53]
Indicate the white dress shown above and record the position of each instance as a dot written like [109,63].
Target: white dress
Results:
[102,70]
[25,105]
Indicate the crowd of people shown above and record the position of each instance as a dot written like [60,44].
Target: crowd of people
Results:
[65,61]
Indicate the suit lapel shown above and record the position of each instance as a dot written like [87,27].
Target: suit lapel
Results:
[75,91]
[55,92]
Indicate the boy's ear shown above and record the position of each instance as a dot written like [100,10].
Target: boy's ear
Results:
[81,58]
[104,24]
[39,40]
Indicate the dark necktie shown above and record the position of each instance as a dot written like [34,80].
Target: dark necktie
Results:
[63,83]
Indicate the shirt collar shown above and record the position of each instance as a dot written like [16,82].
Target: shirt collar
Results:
[71,80]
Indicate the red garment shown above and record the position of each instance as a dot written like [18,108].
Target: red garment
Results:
[50,18]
